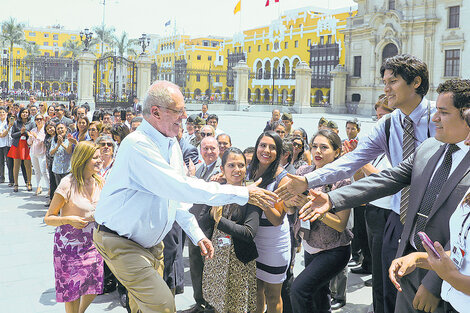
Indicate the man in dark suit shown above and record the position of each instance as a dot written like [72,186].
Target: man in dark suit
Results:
[438,173]
[204,170]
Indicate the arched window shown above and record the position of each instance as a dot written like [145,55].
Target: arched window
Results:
[389,50]
[356,97]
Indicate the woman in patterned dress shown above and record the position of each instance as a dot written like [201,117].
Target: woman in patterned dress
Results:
[78,265]
[241,224]
[273,237]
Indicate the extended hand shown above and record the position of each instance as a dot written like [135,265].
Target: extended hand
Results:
[296,185]
[191,168]
[401,267]
[319,204]
[262,198]
[219,177]
[206,247]
[425,301]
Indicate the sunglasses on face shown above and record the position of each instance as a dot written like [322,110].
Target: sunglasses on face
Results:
[38,119]
[298,145]
[206,134]
[104,144]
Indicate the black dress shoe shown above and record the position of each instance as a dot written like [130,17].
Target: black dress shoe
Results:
[360,270]
[354,263]
[337,304]
[368,283]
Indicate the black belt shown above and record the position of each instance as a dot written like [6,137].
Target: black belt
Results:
[106,230]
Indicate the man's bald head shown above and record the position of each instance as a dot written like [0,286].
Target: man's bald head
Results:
[209,149]
[162,93]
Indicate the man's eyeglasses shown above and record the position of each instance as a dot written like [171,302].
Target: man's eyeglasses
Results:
[179,112]
[104,144]
[206,134]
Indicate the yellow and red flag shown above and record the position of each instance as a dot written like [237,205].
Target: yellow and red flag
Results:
[238,7]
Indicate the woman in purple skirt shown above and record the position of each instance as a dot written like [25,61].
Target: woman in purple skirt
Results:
[78,266]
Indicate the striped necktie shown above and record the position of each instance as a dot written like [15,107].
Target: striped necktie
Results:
[438,180]
[408,149]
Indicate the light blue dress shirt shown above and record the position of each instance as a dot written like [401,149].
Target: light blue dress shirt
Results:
[148,190]
[374,144]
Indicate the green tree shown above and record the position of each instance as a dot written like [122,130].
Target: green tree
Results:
[72,48]
[104,36]
[12,34]
[32,52]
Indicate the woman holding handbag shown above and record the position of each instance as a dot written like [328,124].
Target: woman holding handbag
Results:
[232,271]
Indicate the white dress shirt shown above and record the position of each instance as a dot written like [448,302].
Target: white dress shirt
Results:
[147,190]
[374,144]
[459,300]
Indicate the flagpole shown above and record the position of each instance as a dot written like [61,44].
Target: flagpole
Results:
[174,50]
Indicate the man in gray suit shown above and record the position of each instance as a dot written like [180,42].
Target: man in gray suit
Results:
[438,173]
[204,170]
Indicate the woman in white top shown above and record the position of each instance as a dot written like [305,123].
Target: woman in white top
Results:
[38,152]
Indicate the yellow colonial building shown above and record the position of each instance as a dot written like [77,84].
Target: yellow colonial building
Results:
[204,66]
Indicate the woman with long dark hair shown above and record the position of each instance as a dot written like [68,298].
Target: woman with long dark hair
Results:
[326,241]
[61,149]
[38,151]
[81,133]
[273,237]
[231,285]
[50,135]
[19,150]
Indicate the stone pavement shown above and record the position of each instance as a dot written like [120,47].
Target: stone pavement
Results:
[27,273]
[27,276]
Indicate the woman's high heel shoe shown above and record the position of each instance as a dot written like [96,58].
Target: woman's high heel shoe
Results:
[38,191]
[30,187]
[15,188]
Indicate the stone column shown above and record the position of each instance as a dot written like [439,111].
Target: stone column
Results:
[144,65]
[303,86]
[242,72]
[338,89]
[86,64]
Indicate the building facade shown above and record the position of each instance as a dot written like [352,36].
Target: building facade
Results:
[203,67]
[429,29]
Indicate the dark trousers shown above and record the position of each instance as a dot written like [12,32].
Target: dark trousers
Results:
[376,218]
[173,270]
[196,266]
[286,285]
[360,241]
[11,177]
[410,285]
[310,291]
[52,182]
[392,234]
[3,161]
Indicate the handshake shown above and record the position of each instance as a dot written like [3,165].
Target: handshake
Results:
[314,205]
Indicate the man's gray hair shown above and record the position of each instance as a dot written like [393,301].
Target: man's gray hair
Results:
[159,94]
[107,138]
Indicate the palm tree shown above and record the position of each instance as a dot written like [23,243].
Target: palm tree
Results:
[123,45]
[72,48]
[32,51]
[12,34]
[104,36]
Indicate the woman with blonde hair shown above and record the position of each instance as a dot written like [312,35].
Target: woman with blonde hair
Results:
[78,265]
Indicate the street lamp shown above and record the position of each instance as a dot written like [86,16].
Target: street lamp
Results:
[144,42]
[85,37]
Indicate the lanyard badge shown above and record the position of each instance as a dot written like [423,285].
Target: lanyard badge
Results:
[457,254]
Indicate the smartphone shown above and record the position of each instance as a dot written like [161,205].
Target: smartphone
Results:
[426,241]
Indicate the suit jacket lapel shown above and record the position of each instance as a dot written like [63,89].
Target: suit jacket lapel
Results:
[417,193]
[462,169]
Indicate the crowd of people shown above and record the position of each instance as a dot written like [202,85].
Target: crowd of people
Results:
[129,189]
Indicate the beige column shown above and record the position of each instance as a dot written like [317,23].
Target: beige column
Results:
[144,65]
[303,82]
[242,72]
[86,64]
[338,89]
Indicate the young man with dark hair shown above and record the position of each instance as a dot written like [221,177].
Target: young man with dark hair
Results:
[397,136]
[213,120]
[353,127]
[439,176]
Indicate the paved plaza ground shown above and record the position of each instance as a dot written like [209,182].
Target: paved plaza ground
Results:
[27,275]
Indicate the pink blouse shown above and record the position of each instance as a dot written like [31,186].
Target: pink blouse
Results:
[37,144]
[77,203]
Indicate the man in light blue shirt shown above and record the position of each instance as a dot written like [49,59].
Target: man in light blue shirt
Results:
[406,82]
[146,192]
